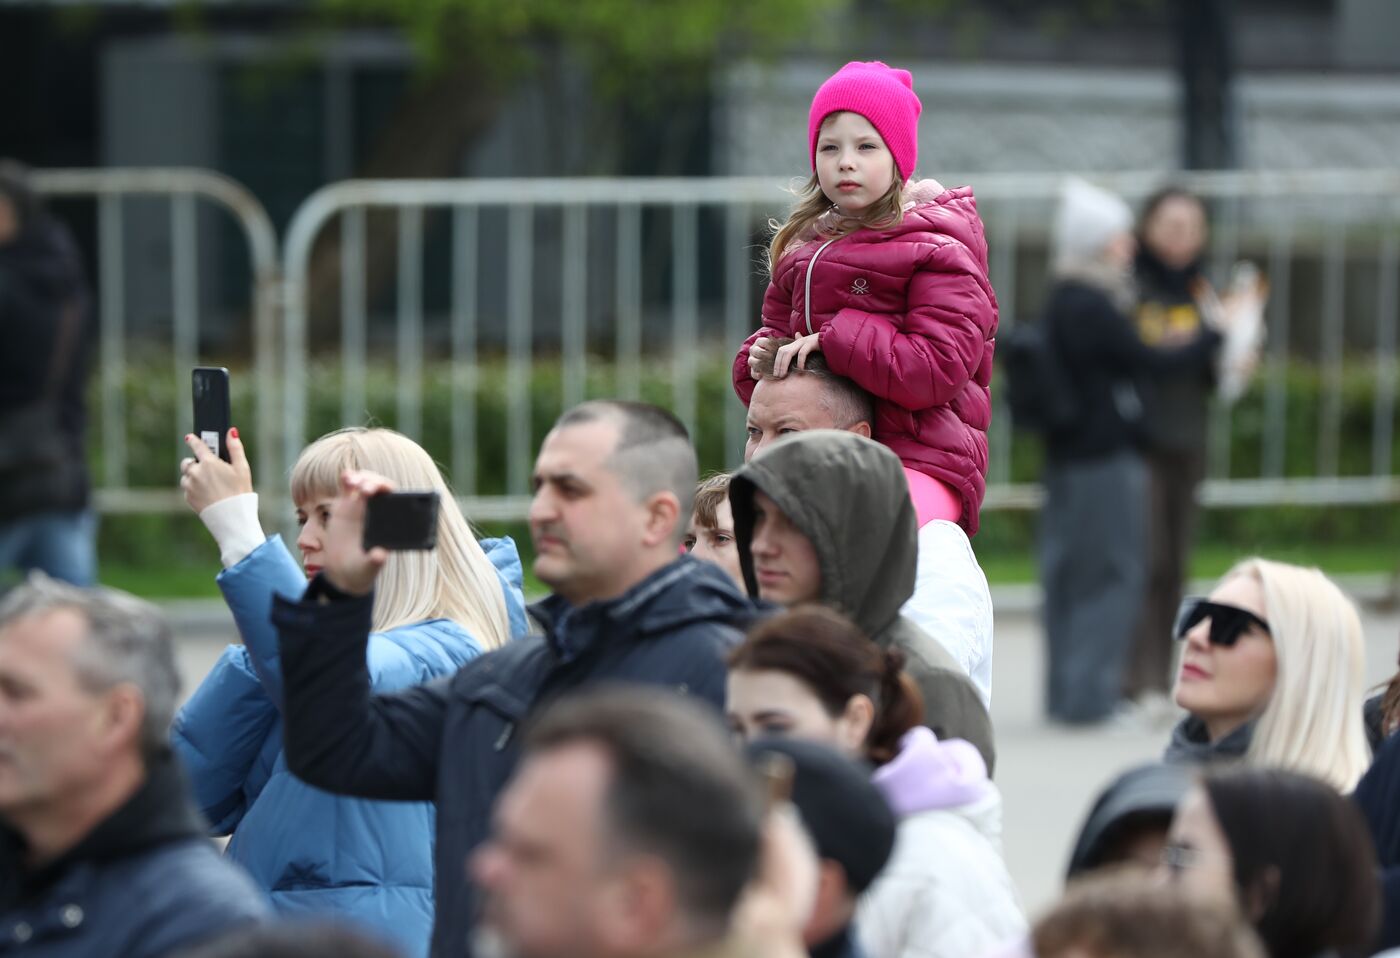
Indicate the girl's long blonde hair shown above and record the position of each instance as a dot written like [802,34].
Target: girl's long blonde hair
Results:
[813,215]
[1313,720]
[453,581]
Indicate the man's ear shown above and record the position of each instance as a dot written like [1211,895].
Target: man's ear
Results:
[861,428]
[835,904]
[123,714]
[663,519]
[637,906]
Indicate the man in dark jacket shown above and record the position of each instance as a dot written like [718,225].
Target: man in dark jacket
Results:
[1378,797]
[631,828]
[613,487]
[825,516]
[101,852]
[45,522]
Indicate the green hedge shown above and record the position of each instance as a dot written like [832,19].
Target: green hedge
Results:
[178,543]
[151,398]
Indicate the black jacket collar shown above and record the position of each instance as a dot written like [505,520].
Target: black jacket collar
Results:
[679,593]
[158,812]
[1191,743]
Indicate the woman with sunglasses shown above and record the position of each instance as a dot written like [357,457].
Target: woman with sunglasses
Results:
[1272,673]
[1290,853]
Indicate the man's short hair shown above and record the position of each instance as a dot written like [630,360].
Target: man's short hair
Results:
[1116,913]
[127,641]
[679,789]
[712,491]
[653,452]
[848,404]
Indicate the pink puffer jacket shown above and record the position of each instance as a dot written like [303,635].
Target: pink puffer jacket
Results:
[908,313]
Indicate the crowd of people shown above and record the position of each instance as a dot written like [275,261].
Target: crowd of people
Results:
[752,717]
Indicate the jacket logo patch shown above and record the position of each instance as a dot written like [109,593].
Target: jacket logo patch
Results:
[860,286]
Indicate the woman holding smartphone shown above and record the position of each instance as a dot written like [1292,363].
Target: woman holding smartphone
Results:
[315,853]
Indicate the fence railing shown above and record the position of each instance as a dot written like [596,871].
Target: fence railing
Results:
[1332,222]
[635,273]
[182,189]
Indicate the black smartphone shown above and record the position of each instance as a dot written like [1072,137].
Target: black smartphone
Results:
[211,408]
[403,521]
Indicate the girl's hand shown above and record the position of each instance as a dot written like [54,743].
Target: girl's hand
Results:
[207,479]
[760,355]
[795,353]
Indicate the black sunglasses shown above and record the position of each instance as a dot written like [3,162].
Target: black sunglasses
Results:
[1179,858]
[1227,622]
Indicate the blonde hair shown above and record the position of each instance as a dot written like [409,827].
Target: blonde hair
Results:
[816,216]
[453,581]
[1312,722]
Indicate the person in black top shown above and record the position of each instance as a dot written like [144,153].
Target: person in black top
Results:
[45,314]
[1168,272]
[1094,517]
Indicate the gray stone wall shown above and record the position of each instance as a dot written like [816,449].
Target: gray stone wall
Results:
[992,118]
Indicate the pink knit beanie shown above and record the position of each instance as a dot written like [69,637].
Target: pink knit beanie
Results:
[881,94]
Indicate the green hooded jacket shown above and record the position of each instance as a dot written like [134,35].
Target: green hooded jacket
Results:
[848,495]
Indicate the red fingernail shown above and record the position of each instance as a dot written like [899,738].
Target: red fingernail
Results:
[233,432]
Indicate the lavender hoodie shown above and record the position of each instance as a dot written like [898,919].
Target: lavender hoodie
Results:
[946,892]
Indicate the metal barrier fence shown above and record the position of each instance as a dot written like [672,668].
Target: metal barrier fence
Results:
[1334,219]
[183,189]
[680,262]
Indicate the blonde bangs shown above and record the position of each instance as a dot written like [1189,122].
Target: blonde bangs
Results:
[454,581]
[316,474]
[389,453]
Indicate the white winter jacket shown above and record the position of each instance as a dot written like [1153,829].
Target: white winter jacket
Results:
[945,892]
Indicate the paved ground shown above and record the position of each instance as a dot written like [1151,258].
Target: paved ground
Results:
[1048,775]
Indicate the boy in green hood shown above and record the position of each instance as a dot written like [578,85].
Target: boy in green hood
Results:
[825,516]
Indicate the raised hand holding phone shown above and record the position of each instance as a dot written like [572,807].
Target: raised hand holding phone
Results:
[206,479]
[348,566]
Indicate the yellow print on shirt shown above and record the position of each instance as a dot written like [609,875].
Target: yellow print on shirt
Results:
[1158,323]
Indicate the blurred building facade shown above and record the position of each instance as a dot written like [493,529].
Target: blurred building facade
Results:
[252,90]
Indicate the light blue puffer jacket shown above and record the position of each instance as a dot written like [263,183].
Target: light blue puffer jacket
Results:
[370,862]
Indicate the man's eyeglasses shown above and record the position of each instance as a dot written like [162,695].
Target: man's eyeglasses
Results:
[1178,858]
[1227,622]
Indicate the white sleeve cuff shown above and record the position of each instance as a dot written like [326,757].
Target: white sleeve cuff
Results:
[235,526]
